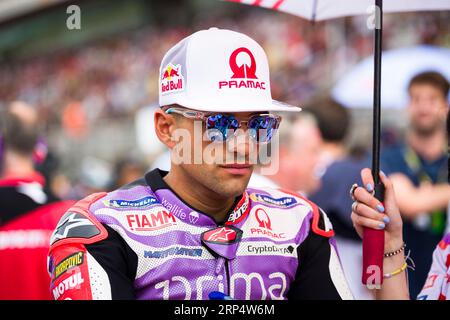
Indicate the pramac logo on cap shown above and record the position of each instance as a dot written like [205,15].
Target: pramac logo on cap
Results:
[247,73]
[171,79]
[243,71]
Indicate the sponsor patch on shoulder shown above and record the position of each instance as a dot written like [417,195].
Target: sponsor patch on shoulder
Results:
[283,202]
[74,260]
[127,204]
[74,225]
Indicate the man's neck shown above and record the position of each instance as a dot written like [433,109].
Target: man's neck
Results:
[17,166]
[198,196]
[429,147]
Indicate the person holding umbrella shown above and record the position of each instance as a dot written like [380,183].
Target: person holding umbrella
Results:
[418,169]
[437,285]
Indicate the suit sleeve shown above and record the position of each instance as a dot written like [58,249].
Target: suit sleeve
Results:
[319,275]
[88,260]
[102,270]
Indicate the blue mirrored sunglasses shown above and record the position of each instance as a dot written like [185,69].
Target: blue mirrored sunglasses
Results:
[261,127]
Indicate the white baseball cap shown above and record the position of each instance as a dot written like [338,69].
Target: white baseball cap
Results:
[220,71]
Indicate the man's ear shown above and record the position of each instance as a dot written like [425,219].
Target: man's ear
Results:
[165,125]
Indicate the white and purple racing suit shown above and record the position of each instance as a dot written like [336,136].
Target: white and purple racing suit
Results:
[437,285]
[143,242]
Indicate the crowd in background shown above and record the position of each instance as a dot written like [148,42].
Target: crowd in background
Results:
[118,75]
[74,91]
[78,91]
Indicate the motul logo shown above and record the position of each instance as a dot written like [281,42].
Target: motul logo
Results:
[151,221]
[243,71]
[74,281]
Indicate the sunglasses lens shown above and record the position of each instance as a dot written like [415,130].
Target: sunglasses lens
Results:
[219,125]
[262,128]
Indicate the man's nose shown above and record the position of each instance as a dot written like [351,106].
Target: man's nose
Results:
[240,143]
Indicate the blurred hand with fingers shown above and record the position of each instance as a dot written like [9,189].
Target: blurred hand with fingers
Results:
[369,212]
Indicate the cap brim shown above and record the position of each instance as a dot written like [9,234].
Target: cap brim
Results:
[282,106]
[275,106]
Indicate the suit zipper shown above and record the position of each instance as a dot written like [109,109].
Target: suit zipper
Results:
[227,273]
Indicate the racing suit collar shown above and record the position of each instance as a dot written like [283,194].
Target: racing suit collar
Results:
[175,204]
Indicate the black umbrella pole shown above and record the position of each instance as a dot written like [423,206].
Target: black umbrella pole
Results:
[377,92]
[373,240]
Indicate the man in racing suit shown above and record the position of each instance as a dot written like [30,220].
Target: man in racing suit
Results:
[196,230]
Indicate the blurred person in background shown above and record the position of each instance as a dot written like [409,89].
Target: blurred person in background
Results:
[126,170]
[437,284]
[340,170]
[28,213]
[96,175]
[298,159]
[418,169]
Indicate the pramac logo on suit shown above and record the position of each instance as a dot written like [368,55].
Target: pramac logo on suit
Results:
[264,227]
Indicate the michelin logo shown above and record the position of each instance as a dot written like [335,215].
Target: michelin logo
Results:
[144,202]
[284,202]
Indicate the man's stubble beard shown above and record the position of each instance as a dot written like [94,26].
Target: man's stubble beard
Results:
[427,131]
[210,180]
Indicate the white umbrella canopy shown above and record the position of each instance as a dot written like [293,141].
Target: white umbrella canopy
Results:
[354,89]
[329,9]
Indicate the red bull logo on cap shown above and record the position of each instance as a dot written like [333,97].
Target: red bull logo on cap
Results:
[171,79]
[246,73]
